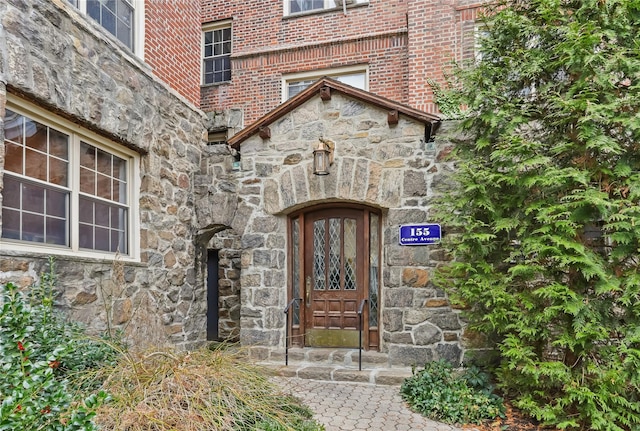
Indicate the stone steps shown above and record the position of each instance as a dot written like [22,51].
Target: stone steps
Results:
[341,365]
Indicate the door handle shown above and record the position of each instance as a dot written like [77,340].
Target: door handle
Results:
[308,290]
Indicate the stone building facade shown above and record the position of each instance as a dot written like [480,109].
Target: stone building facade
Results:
[124,247]
[386,166]
[111,171]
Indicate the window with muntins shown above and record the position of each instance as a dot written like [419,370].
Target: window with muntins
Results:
[216,55]
[121,18]
[64,190]
[297,83]
[114,15]
[292,7]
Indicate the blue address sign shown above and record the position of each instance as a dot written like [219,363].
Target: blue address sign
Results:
[420,234]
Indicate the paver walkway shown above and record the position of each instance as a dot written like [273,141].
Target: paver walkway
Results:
[350,406]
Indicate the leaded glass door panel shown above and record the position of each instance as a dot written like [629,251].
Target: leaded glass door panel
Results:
[334,277]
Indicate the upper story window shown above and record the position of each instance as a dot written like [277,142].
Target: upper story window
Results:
[216,53]
[301,6]
[122,18]
[66,190]
[355,76]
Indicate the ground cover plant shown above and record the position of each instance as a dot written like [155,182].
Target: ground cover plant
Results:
[544,213]
[458,397]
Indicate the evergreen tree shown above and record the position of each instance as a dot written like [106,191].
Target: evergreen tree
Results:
[545,215]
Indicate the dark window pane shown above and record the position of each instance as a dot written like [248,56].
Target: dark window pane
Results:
[86,236]
[125,12]
[58,172]
[104,162]
[208,66]
[33,198]
[36,165]
[13,126]
[87,155]
[32,227]
[87,181]
[119,168]
[217,49]
[58,144]
[93,9]
[110,4]
[124,33]
[57,231]
[56,203]
[36,135]
[109,21]
[208,50]
[102,214]
[104,186]
[102,239]
[86,211]
[13,158]
[119,192]
[11,193]
[118,243]
[10,223]
[227,75]
[208,37]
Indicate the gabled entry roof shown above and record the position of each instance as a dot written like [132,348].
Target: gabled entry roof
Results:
[323,88]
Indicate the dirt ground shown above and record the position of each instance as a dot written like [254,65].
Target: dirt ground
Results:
[514,421]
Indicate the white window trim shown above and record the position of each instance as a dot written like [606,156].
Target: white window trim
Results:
[320,73]
[328,5]
[210,27]
[138,25]
[78,133]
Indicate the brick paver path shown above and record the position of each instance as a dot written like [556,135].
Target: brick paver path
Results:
[348,406]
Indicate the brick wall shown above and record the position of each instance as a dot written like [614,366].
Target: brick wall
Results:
[268,45]
[404,43]
[172,44]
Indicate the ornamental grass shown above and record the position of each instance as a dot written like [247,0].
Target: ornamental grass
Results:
[203,390]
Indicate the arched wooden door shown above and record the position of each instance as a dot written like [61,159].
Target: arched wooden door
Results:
[335,272]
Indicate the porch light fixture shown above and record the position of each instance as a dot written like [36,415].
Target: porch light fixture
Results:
[323,157]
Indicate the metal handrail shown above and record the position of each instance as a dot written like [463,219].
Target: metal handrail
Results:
[286,330]
[360,310]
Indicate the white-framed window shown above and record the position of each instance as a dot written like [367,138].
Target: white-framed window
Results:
[292,7]
[216,52]
[356,76]
[65,189]
[480,32]
[122,18]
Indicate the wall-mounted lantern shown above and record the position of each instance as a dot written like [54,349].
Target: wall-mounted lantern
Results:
[323,157]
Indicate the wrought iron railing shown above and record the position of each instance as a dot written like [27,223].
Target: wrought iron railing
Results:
[360,310]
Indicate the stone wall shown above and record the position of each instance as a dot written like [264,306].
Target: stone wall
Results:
[59,59]
[375,164]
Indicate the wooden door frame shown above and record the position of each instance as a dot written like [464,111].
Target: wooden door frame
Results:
[297,331]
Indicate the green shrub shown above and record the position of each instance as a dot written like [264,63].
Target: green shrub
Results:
[440,393]
[544,207]
[38,351]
